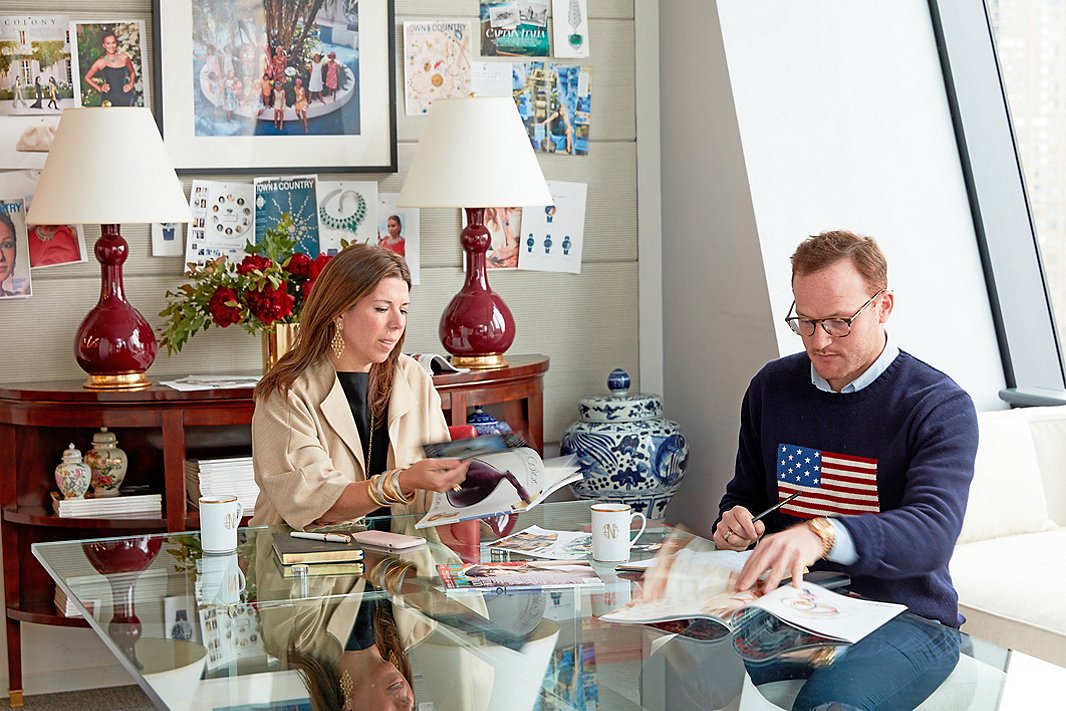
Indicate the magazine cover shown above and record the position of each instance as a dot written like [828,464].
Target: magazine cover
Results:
[436,63]
[555,103]
[14,250]
[31,114]
[525,574]
[501,483]
[49,245]
[514,28]
[295,196]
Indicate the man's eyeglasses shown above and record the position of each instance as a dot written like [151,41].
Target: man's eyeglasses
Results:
[836,327]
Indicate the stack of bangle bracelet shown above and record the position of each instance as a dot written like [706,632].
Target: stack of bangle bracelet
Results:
[385,490]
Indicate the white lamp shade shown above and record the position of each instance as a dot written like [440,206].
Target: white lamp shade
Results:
[474,152]
[108,166]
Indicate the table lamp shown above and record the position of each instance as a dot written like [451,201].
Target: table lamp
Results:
[108,166]
[474,154]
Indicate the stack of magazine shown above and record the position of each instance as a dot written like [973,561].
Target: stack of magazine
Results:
[65,606]
[221,477]
[139,506]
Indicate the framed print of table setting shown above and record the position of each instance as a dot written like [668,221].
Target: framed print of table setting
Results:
[479,650]
[285,85]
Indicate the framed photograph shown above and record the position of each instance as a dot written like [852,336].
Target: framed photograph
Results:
[258,86]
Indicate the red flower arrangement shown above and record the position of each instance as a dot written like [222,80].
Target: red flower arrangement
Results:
[267,287]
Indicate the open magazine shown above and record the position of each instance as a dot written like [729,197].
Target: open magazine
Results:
[699,584]
[499,483]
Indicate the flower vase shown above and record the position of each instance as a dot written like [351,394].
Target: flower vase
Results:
[278,341]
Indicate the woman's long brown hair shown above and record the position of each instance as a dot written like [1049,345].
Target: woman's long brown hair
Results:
[347,278]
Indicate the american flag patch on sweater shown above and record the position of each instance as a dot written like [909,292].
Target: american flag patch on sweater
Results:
[831,484]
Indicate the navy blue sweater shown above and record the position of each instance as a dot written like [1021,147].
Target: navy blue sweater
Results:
[913,427]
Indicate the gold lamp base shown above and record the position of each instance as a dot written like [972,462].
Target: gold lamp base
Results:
[117,381]
[491,361]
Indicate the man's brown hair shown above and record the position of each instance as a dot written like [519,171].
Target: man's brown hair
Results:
[825,249]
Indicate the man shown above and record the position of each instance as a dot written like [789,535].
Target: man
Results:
[879,445]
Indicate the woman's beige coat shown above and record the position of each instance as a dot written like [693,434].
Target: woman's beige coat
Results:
[306,448]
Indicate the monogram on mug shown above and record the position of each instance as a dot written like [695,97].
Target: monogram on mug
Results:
[610,531]
[220,517]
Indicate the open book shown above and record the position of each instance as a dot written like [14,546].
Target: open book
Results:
[700,585]
[499,483]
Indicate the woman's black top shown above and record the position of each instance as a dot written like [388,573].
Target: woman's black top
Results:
[356,387]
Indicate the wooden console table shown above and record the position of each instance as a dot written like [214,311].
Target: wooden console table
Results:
[159,429]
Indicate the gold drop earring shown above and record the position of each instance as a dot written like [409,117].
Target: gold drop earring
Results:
[337,342]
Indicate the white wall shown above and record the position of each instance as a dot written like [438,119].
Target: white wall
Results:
[839,116]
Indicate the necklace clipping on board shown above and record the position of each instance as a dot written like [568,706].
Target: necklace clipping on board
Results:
[341,221]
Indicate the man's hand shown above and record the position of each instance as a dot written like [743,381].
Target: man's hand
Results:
[789,551]
[736,531]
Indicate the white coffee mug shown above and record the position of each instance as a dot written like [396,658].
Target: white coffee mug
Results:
[219,580]
[219,518]
[610,531]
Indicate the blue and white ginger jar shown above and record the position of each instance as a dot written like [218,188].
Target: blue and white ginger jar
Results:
[628,452]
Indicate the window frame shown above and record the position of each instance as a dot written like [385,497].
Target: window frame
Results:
[1018,294]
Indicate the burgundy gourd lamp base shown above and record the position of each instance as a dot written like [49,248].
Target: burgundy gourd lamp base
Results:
[114,343]
[477,328]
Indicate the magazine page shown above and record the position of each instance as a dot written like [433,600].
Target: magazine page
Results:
[687,585]
[538,542]
[516,575]
[814,609]
[500,483]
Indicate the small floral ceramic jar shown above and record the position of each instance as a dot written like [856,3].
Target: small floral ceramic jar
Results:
[108,464]
[72,474]
[628,452]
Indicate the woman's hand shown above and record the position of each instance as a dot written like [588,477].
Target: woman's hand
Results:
[434,474]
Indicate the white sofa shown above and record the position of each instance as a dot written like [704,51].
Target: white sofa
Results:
[1009,566]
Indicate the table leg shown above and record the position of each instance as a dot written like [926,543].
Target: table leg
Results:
[14,698]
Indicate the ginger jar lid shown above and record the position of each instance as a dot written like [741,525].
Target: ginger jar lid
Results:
[620,406]
[72,454]
[105,438]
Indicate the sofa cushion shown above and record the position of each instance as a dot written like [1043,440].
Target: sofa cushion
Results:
[1010,591]
[1007,494]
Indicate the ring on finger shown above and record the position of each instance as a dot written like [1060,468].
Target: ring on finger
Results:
[728,535]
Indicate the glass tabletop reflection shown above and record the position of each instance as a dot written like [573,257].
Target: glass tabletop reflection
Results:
[241,631]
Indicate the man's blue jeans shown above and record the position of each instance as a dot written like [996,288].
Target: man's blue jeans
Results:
[897,666]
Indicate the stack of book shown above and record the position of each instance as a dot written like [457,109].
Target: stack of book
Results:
[221,477]
[65,606]
[299,555]
[142,506]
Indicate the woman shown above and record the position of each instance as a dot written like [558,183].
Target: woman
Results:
[8,249]
[300,103]
[39,92]
[344,397]
[314,84]
[17,100]
[117,75]
[53,94]
[393,240]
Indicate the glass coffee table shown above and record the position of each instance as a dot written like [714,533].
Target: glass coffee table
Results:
[233,632]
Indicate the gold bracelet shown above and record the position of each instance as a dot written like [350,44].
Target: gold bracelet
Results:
[371,490]
[389,489]
[404,498]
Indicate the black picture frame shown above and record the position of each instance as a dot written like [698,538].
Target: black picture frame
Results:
[211,125]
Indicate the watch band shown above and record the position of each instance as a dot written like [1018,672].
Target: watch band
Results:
[825,531]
